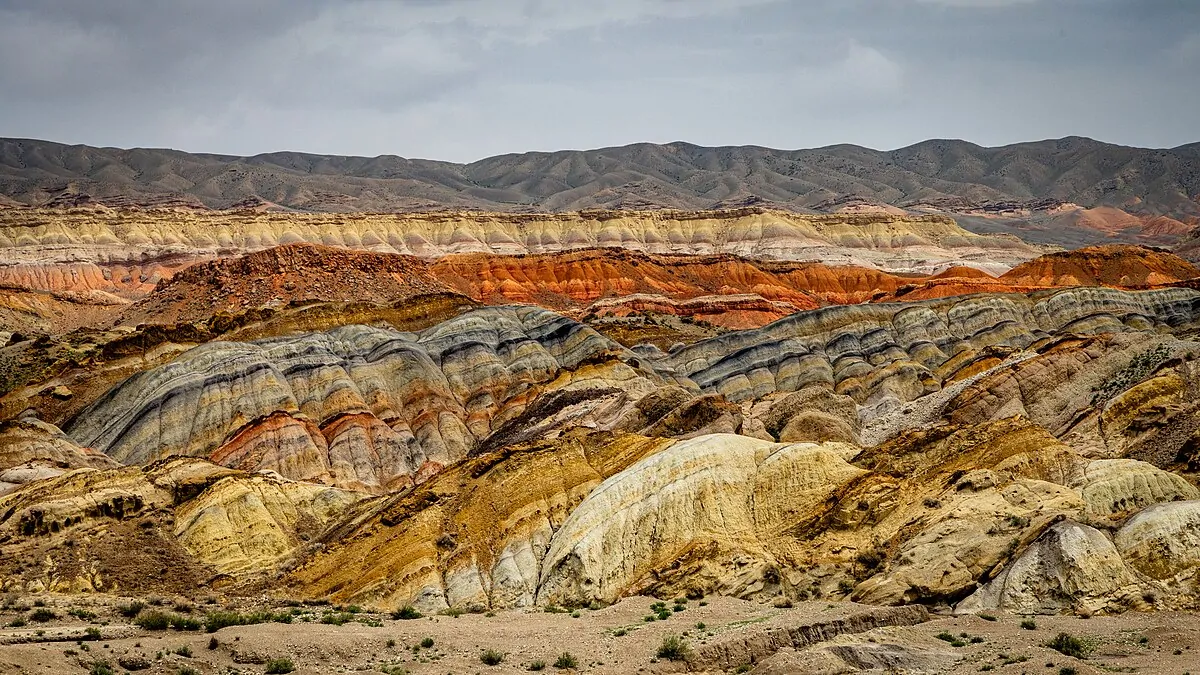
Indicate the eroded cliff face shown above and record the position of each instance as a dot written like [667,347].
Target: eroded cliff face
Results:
[1019,451]
[35,241]
[360,407]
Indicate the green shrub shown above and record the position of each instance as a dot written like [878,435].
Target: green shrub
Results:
[279,666]
[179,622]
[1068,645]
[536,665]
[82,614]
[988,617]
[101,668]
[427,642]
[132,609]
[153,620]
[491,657]
[406,612]
[1029,624]
[673,648]
[184,651]
[565,661]
[91,633]
[42,615]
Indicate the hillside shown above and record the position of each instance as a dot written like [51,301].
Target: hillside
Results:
[1048,183]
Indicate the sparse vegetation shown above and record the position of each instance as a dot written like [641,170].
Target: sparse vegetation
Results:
[101,668]
[536,665]
[279,666]
[1068,645]
[673,648]
[406,613]
[491,657]
[426,643]
[42,615]
[132,609]
[1029,624]
[566,661]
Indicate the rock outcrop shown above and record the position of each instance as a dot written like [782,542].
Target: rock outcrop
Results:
[1114,265]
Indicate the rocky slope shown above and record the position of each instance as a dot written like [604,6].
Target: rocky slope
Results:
[31,239]
[1030,453]
[1063,180]
[284,275]
[1121,266]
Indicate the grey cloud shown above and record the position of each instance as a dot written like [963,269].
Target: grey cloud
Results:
[461,79]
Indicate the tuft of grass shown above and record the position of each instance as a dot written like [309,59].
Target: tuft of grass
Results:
[153,620]
[184,651]
[42,615]
[1029,624]
[279,666]
[673,648]
[427,642]
[215,621]
[491,657]
[100,668]
[536,665]
[1068,645]
[566,661]
[406,613]
[132,609]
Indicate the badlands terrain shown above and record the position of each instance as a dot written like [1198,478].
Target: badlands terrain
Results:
[756,438]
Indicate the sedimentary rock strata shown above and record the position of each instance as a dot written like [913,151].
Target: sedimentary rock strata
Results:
[912,243]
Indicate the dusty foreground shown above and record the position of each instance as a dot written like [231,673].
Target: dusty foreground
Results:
[92,635]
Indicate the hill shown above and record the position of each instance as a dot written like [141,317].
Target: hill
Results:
[1046,185]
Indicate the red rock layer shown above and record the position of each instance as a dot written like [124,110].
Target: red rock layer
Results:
[1113,265]
[285,274]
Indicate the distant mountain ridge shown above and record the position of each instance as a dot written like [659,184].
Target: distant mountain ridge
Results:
[946,175]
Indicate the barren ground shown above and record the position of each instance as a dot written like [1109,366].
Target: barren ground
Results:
[1163,642]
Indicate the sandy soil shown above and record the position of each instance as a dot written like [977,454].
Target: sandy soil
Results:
[615,639]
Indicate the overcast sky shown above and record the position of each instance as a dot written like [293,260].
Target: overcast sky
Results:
[464,79]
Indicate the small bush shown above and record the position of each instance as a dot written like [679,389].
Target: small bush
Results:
[426,643]
[42,615]
[988,617]
[153,620]
[18,622]
[82,614]
[673,648]
[1066,670]
[184,651]
[566,660]
[279,666]
[406,613]
[132,609]
[101,668]
[1029,624]
[536,665]
[1068,645]
[620,632]
[91,633]
[491,657]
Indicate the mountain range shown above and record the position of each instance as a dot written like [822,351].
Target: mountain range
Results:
[948,175]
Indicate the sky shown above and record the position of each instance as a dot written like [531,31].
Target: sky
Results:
[460,80]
